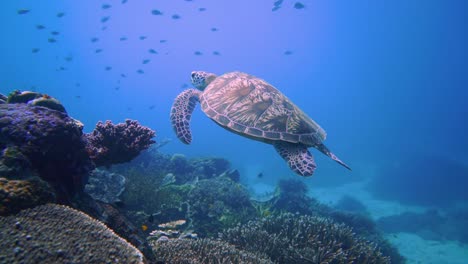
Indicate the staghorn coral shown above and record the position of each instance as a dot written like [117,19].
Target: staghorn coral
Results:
[196,251]
[108,144]
[59,234]
[16,195]
[289,238]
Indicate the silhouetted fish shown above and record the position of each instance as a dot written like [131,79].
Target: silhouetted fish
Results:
[68,58]
[156,12]
[162,41]
[123,38]
[106,6]
[142,37]
[52,40]
[214,29]
[260,175]
[94,40]
[124,1]
[146,61]
[299,5]
[275,8]
[288,52]
[175,16]
[278,2]
[78,96]
[60,14]
[98,50]
[201,9]
[105,19]
[55,33]
[140,71]
[152,107]
[152,51]
[40,27]
[35,50]
[22,11]
[198,53]
[151,218]
[216,53]
[108,68]
[123,75]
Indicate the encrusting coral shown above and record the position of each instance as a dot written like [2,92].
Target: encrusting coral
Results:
[58,234]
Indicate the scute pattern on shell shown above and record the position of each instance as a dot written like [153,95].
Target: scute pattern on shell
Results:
[250,106]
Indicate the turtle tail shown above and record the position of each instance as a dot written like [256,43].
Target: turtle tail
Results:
[181,112]
[327,152]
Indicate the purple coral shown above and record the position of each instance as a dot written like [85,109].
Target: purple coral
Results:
[109,144]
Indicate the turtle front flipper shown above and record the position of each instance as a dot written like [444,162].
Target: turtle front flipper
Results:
[327,152]
[297,156]
[181,112]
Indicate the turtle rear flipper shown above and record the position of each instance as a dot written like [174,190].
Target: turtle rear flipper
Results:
[297,156]
[181,112]
[327,152]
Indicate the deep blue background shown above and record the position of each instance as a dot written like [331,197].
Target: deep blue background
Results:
[385,79]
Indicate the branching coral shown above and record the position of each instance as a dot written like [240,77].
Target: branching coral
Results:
[289,238]
[204,251]
[109,144]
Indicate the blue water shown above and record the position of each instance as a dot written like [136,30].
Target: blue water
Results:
[387,80]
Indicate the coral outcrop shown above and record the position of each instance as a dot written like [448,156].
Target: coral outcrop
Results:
[105,186]
[59,234]
[109,144]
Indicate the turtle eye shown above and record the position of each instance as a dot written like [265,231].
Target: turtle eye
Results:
[193,75]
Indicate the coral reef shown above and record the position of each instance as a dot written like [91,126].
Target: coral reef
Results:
[204,251]
[218,203]
[58,234]
[36,99]
[16,195]
[51,142]
[105,186]
[289,238]
[427,181]
[109,144]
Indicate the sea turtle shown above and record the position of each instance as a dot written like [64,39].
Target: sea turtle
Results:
[250,107]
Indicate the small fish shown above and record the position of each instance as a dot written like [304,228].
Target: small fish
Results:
[124,1]
[142,37]
[156,12]
[106,6]
[151,218]
[105,19]
[77,84]
[214,29]
[278,2]
[198,53]
[104,28]
[288,52]
[22,11]
[140,71]
[108,68]
[51,40]
[216,53]
[55,33]
[78,96]
[62,68]
[123,75]
[60,14]
[35,50]
[129,109]
[94,40]
[299,5]
[260,175]
[144,227]
[201,9]
[151,108]
[123,38]
[40,27]
[68,58]
[175,16]
[152,51]
[98,51]
[117,88]
[162,41]
[275,8]
[146,61]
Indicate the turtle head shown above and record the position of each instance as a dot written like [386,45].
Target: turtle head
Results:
[201,79]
